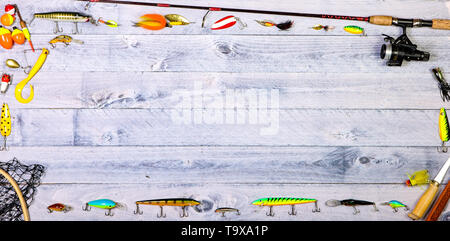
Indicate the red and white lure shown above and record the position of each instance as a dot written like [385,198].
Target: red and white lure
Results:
[227,22]
[6,82]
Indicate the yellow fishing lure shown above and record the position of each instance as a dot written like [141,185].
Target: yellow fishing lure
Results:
[418,178]
[37,66]
[443,129]
[5,124]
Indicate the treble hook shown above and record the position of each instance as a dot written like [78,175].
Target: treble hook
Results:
[184,214]
[375,207]
[137,211]
[293,212]
[317,209]
[86,208]
[161,214]
[356,210]
[57,29]
[271,214]
[442,148]
[109,213]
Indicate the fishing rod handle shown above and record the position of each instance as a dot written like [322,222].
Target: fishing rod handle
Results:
[425,201]
[381,20]
[441,24]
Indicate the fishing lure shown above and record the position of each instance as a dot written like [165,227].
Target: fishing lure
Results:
[178,202]
[418,178]
[443,130]
[59,207]
[37,66]
[354,29]
[66,39]
[350,202]
[151,22]
[101,203]
[324,27]
[395,205]
[227,210]
[443,85]
[176,19]
[278,201]
[5,124]
[73,17]
[109,23]
[6,82]
[282,26]
[227,22]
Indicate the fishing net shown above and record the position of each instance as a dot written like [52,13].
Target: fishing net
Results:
[28,178]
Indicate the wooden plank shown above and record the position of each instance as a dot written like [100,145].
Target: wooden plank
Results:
[217,195]
[232,165]
[157,90]
[125,15]
[213,53]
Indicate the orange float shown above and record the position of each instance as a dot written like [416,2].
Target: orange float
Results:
[151,22]
[7,19]
[6,40]
[18,36]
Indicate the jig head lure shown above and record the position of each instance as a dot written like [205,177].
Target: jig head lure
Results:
[282,26]
[227,210]
[443,130]
[37,66]
[351,203]
[66,39]
[177,202]
[418,178]
[443,85]
[5,125]
[284,201]
[395,205]
[59,207]
[103,204]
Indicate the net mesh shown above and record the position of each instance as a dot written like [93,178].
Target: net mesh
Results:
[28,178]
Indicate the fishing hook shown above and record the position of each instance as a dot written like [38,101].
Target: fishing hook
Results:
[86,208]
[442,148]
[271,214]
[57,29]
[293,212]
[161,214]
[137,211]
[204,18]
[76,29]
[356,210]
[317,209]
[109,213]
[184,214]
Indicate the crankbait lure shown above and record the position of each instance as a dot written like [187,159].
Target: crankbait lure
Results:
[227,22]
[59,207]
[284,201]
[282,26]
[178,202]
[227,210]
[151,22]
[443,85]
[418,178]
[37,66]
[354,29]
[5,124]
[101,203]
[73,17]
[350,202]
[443,130]
[324,27]
[395,205]
[66,39]
[176,19]
[6,82]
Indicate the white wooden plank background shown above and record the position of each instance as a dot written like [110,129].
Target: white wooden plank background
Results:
[349,126]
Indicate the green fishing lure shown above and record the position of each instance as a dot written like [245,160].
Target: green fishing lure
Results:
[395,205]
[354,29]
[279,201]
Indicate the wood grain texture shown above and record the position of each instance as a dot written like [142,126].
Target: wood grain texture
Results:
[105,120]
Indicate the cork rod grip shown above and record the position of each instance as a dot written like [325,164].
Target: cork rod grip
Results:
[441,24]
[381,20]
[425,201]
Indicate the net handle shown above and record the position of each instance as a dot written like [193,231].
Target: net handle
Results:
[26,214]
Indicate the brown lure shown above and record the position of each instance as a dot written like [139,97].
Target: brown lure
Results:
[58,207]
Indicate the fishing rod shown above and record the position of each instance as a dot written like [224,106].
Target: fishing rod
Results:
[395,51]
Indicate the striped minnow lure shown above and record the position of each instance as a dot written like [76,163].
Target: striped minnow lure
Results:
[395,205]
[278,201]
[104,204]
[178,202]
[5,124]
[350,202]
[73,17]
[227,210]
[443,130]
